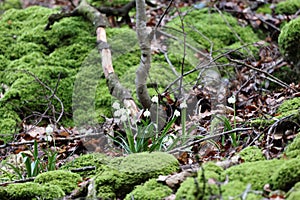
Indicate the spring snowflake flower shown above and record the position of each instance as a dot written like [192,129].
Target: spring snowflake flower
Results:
[176,113]
[49,129]
[147,113]
[123,118]
[154,99]
[183,105]
[232,99]
[117,113]
[116,105]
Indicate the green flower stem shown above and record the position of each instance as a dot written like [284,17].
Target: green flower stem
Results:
[183,121]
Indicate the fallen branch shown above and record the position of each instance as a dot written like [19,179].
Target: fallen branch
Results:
[213,136]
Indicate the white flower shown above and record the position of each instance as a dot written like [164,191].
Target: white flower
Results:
[123,118]
[48,138]
[183,105]
[147,113]
[176,113]
[49,129]
[232,99]
[168,140]
[154,99]
[116,105]
[117,113]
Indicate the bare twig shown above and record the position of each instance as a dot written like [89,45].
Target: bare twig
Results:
[213,136]
[270,76]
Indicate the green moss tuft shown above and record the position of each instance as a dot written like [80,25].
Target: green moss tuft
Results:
[120,176]
[254,173]
[217,30]
[287,7]
[251,154]
[149,191]
[288,41]
[293,149]
[9,4]
[193,187]
[92,159]
[264,9]
[66,180]
[29,190]
[285,177]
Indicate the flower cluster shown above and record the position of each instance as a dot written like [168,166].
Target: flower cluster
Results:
[120,112]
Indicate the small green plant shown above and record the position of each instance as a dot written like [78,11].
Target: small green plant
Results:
[144,136]
[34,164]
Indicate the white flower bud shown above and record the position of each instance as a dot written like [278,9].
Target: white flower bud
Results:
[154,99]
[176,113]
[147,113]
[232,99]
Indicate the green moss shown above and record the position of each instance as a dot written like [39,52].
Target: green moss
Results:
[251,154]
[198,188]
[215,29]
[293,149]
[261,123]
[254,173]
[285,177]
[120,176]
[287,7]
[92,159]
[29,190]
[289,105]
[264,9]
[234,189]
[294,193]
[8,4]
[288,41]
[64,179]
[53,56]
[149,191]
[114,3]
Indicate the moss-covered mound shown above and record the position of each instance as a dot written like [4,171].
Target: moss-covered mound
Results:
[288,41]
[255,173]
[119,177]
[8,4]
[31,57]
[203,186]
[285,177]
[287,7]
[66,180]
[251,154]
[293,149]
[149,191]
[92,159]
[28,191]
[294,193]
[208,29]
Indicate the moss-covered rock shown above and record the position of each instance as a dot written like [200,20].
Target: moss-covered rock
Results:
[290,105]
[287,7]
[232,189]
[255,173]
[285,177]
[29,191]
[53,56]
[288,41]
[203,186]
[66,180]
[205,27]
[293,149]
[251,154]
[8,4]
[151,190]
[92,159]
[294,193]
[120,176]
